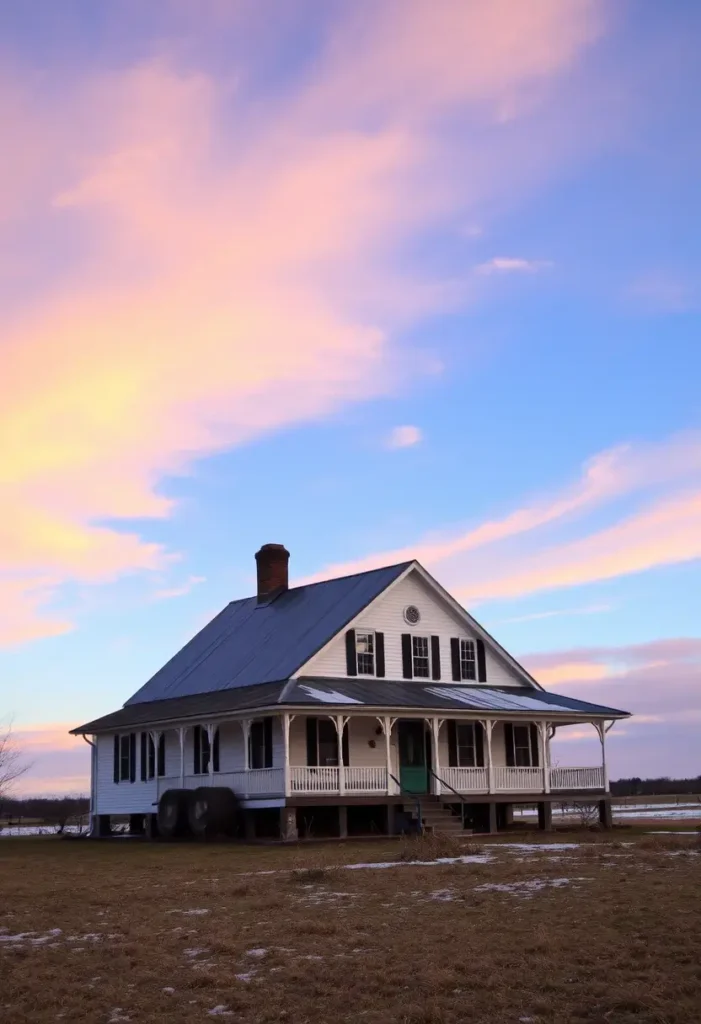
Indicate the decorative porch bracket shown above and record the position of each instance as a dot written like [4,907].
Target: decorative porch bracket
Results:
[211,730]
[602,729]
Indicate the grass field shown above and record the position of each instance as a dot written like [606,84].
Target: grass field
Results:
[122,931]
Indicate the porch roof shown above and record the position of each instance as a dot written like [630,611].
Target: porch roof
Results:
[349,693]
[449,696]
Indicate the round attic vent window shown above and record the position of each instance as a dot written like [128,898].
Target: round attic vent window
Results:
[412,615]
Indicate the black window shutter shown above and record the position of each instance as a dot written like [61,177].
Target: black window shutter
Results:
[481,662]
[215,752]
[435,657]
[312,747]
[479,744]
[407,663]
[452,744]
[143,756]
[345,745]
[132,757]
[351,664]
[509,744]
[455,658]
[268,742]
[116,758]
[161,769]
[535,759]
[197,746]
[380,655]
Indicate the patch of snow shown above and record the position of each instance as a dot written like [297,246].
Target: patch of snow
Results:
[257,952]
[526,888]
[465,859]
[246,976]
[168,990]
[221,1011]
[118,1015]
[192,953]
[540,847]
[329,697]
[190,913]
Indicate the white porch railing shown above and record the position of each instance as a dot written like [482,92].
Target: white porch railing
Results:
[576,778]
[466,780]
[366,780]
[321,779]
[326,780]
[518,780]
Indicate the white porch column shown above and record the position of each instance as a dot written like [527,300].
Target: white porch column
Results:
[182,730]
[286,722]
[340,723]
[155,738]
[543,745]
[386,724]
[211,729]
[246,732]
[602,728]
[436,724]
[488,725]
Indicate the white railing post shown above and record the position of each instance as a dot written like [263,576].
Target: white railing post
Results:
[341,721]
[286,721]
[488,725]
[386,724]
[602,730]
[543,743]
[436,724]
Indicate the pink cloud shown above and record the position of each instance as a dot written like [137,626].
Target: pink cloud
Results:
[217,258]
[662,534]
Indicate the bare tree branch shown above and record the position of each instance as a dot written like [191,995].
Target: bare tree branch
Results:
[12,765]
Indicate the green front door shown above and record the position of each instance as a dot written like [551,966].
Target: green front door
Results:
[413,773]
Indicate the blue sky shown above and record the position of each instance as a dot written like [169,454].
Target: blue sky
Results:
[239,256]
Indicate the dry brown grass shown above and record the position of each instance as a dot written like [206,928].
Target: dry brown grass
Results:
[314,942]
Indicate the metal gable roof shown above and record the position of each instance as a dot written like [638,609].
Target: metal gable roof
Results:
[248,643]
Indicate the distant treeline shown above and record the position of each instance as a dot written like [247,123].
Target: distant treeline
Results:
[45,810]
[655,787]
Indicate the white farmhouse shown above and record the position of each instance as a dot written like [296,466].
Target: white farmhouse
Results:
[367,704]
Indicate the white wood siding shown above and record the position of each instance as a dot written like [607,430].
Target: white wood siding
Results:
[121,797]
[385,614]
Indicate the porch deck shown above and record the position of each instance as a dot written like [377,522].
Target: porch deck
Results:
[376,781]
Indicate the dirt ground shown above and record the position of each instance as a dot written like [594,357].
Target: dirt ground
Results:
[117,931]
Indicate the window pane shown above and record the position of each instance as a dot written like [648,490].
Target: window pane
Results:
[328,742]
[467,660]
[124,773]
[365,653]
[256,745]
[420,649]
[522,746]
[465,733]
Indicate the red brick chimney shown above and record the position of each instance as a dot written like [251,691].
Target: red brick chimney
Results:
[272,561]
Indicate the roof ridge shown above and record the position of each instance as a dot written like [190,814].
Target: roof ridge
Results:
[329,579]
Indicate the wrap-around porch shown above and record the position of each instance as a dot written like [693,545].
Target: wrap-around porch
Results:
[325,755]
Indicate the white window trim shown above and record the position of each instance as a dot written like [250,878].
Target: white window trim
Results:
[427,638]
[372,633]
[467,640]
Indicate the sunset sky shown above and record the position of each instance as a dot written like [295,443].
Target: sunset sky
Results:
[376,279]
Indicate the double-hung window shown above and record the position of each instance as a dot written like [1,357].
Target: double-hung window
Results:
[466,744]
[523,747]
[156,765]
[421,657]
[124,758]
[203,751]
[260,744]
[468,660]
[365,653]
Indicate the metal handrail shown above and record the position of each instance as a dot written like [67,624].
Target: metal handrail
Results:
[415,796]
[452,790]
